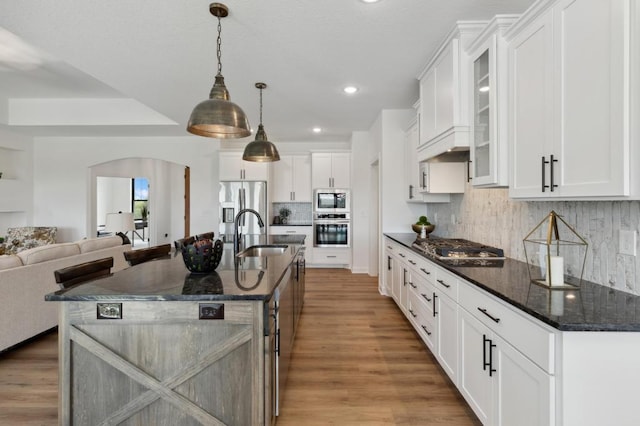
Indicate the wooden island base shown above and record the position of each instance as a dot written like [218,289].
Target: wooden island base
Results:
[162,365]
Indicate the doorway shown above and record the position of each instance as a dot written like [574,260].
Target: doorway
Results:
[161,187]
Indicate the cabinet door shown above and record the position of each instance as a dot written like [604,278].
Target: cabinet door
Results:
[411,165]
[282,175]
[341,170]
[447,325]
[321,170]
[428,106]
[301,178]
[531,112]
[445,90]
[233,167]
[591,53]
[474,381]
[522,390]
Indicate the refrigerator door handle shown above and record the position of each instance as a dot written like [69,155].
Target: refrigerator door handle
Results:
[242,199]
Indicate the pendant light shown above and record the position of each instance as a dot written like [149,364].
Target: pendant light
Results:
[261,150]
[218,117]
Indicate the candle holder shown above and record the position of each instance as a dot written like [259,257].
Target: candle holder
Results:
[555,254]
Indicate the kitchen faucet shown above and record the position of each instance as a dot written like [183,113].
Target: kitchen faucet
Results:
[236,234]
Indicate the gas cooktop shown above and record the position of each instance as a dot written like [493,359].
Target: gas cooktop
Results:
[457,249]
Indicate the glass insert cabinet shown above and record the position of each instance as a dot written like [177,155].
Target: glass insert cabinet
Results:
[488,100]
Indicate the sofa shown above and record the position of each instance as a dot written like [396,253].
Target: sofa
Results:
[27,276]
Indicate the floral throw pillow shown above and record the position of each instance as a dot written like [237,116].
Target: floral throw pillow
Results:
[26,237]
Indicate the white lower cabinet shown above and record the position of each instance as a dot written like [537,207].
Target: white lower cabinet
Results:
[502,386]
[502,361]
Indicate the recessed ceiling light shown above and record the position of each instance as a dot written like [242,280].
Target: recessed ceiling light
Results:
[369,1]
[317,130]
[483,89]
[350,90]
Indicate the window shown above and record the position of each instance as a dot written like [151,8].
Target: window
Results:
[140,201]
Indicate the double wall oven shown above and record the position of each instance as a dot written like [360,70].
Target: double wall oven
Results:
[331,218]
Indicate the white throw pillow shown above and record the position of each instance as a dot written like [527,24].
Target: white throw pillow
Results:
[48,252]
[93,244]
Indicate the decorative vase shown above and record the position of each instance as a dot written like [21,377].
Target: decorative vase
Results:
[418,229]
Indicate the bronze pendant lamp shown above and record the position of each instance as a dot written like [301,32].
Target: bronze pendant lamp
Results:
[218,117]
[261,150]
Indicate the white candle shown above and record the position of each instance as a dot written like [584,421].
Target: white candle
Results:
[556,275]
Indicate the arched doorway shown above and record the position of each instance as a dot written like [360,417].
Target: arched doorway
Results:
[167,192]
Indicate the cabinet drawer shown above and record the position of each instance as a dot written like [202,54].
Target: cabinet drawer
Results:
[329,256]
[446,283]
[421,315]
[426,270]
[532,339]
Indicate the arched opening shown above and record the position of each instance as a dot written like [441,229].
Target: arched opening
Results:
[112,190]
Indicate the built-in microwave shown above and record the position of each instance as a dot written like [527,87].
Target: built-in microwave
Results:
[331,200]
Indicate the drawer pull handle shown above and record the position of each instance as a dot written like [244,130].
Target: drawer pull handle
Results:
[412,262]
[413,285]
[425,330]
[390,248]
[444,284]
[412,314]
[425,271]
[402,255]
[291,232]
[484,311]
[425,297]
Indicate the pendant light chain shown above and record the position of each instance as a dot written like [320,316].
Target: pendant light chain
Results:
[219,47]
[261,105]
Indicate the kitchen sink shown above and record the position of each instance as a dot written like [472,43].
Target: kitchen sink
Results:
[263,250]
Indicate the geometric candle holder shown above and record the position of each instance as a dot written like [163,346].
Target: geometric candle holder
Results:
[555,253]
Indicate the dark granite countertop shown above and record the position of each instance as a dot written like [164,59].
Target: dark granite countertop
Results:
[591,308]
[249,278]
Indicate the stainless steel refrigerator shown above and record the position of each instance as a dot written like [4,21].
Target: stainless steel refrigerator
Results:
[237,195]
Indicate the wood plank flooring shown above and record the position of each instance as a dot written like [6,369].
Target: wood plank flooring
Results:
[356,361]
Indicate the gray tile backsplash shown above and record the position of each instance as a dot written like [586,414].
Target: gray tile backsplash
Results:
[491,217]
[301,213]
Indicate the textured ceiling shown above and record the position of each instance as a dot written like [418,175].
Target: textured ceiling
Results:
[160,54]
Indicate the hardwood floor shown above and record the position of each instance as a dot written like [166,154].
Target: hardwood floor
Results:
[29,383]
[356,361]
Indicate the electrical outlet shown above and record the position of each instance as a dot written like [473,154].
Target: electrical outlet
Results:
[627,242]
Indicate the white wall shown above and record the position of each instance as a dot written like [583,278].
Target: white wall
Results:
[113,194]
[360,200]
[16,185]
[62,177]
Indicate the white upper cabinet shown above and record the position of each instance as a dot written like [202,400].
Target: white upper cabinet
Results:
[291,178]
[573,75]
[414,182]
[233,167]
[444,100]
[488,150]
[330,170]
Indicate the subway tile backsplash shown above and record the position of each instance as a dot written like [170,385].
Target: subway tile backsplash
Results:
[491,217]
[301,213]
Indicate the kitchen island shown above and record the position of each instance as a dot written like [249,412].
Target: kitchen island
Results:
[155,344]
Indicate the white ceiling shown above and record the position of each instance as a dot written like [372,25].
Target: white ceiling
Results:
[135,68]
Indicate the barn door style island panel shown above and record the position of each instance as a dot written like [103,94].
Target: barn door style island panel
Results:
[155,344]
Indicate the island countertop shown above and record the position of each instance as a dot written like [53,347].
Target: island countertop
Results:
[593,307]
[249,278]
